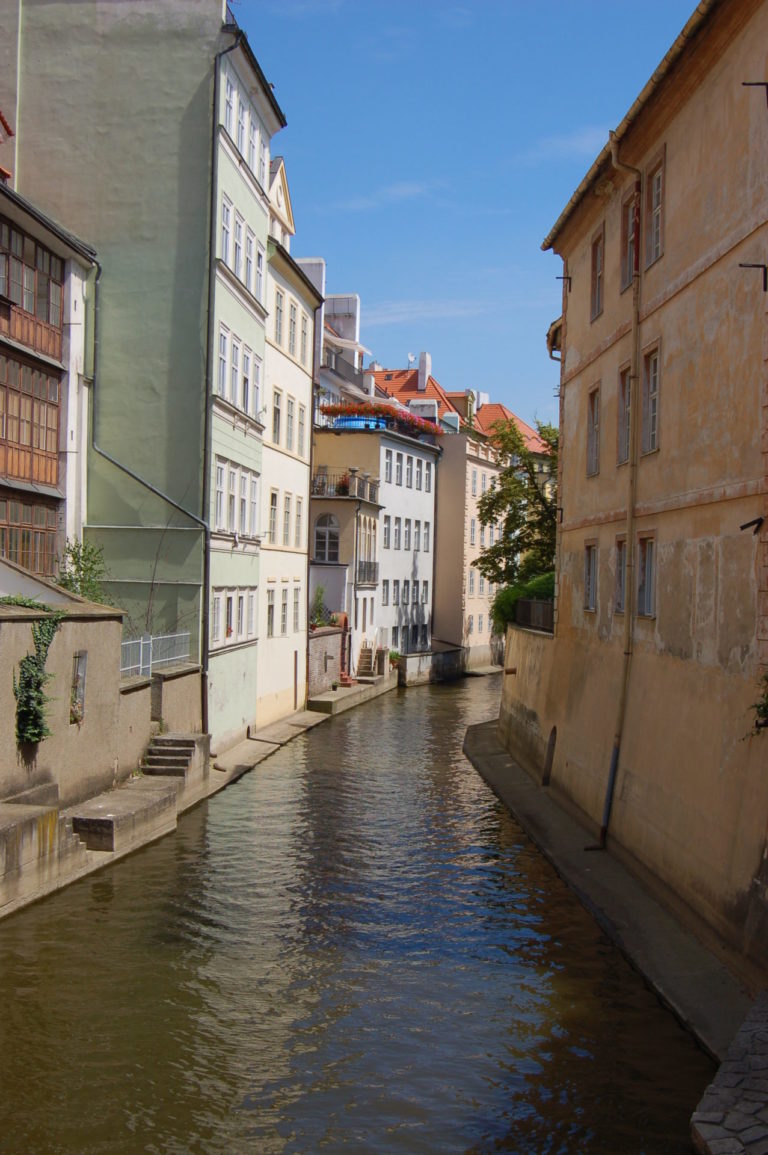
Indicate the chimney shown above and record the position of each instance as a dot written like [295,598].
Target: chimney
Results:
[369,381]
[425,370]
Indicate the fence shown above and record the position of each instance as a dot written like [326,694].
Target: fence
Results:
[536,614]
[143,655]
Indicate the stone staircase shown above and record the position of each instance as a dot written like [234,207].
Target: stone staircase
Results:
[365,662]
[169,755]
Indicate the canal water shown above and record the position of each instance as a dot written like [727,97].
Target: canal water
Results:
[354,948]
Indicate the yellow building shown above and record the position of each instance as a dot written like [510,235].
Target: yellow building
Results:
[640,709]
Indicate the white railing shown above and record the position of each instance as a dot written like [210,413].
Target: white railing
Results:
[140,656]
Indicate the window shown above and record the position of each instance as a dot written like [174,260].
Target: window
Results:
[395,637]
[290,407]
[491,529]
[387,464]
[424,635]
[277,401]
[396,592]
[472,531]
[240,615]
[241,127]
[590,577]
[253,522]
[30,275]
[598,257]
[219,496]
[419,472]
[397,533]
[272,535]
[387,526]
[428,477]
[646,579]
[474,483]
[409,472]
[226,225]
[284,612]
[627,241]
[249,243]
[481,584]
[482,537]
[296,609]
[238,247]
[593,432]
[484,482]
[625,400]
[297,539]
[417,536]
[243,527]
[216,619]
[256,388]
[253,134]
[471,580]
[229,106]
[407,534]
[287,520]
[251,613]
[327,538]
[654,213]
[245,392]
[650,438]
[77,689]
[230,604]
[426,537]
[406,592]
[385,592]
[304,337]
[262,162]
[259,287]
[270,613]
[470,624]
[424,593]
[398,469]
[303,422]
[279,300]
[620,591]
[292,322]
[234,372]
[223,344]
[479,623]
[232,502]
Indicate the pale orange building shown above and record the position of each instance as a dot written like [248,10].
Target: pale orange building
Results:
[640,709]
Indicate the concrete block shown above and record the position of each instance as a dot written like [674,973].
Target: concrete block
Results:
[141,810]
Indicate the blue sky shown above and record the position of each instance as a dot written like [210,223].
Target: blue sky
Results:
[431,146]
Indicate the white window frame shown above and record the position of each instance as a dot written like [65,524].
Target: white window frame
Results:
[646,576]
[590,576]
[226,228]
[651,390]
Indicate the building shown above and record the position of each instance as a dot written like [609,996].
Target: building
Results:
[294,303]
[179,212]
[44,356]
[640,710]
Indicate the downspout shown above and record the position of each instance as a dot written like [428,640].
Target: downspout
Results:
[312,399]
[354,575]
[629,572]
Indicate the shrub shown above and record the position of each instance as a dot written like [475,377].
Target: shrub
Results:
[503,605]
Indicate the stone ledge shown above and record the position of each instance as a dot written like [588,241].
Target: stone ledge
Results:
[140,811]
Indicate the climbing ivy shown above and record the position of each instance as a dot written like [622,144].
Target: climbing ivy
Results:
[31,725]
[761,707]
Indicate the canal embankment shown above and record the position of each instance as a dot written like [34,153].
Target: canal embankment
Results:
[688,977]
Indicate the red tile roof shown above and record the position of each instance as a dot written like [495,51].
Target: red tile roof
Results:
[404,385]
[487,416]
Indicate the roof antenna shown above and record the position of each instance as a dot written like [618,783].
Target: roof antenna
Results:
[411,359]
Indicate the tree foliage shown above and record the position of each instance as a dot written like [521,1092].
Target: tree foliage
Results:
[524,503]
[82,571]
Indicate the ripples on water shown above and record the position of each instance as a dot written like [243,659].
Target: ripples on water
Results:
[353,948]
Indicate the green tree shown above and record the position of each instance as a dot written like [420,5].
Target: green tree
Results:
[524,503]
[82,571]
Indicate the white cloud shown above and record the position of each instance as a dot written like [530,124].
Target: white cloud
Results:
[387,195]
[400,312]
[579,144]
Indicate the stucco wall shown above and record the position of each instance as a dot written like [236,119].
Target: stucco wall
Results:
[135,726]
[176,700]
[324,659]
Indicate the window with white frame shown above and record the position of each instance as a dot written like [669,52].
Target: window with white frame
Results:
[424,593]
[229,614]
[304,338]
[620,588]
[240,615]
[590,576]
[646,577]
[270,613]
[395,637]
[251,626]
[241,114]
[419,472]
[298,523]
[387,464]
[253,519]
[474,483]
[406,591]
[479,623]
[302,430]
[216,618]
[259,286]
[284,611]
[239,226]
[387,527]
[593,432]
[428,477]
[245,391]
[279,306]
[471,579]
[628,241]
[229,106]
[481,585]
[234,372]
[292,328]
[263,162]
[491,529]
[471,624]
[398,524]
[398,469]
[290,406]
[407,534]
[484,483]
[256,389]
[598,262]
[396,592]
[250,242]
[243,522]
[654,213]
[287,503]
[327,538]
[253,140]
[219,505]
[296,609]
[482,537]
[625,402]
[226,228]
[272,534]
[232,501]
[385,592]
[409,471]
[426,537]
[650,438]
[277,403]
[416,536]
[472,531]
[223,350]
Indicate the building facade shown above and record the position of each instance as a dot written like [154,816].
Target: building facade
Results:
[641,708]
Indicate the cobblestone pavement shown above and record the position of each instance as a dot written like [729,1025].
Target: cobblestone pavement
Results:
[732,1118]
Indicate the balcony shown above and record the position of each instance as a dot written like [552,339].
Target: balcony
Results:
[335,361]
[28,330]
[367,573]
[348,483]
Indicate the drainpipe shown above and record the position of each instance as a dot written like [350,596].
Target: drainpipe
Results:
[629,574]
[312,400]
[354,575]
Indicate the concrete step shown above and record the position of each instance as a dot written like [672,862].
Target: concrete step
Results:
[174,741]
[167,757]
[141,810]
[37,849]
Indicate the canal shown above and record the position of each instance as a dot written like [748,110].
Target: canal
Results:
[354,948]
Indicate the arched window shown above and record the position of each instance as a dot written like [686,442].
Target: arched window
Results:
[327,538]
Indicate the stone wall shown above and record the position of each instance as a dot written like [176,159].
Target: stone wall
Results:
[324,659]
[135,723]
[176,700]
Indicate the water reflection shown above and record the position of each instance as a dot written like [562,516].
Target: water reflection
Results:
[354,948]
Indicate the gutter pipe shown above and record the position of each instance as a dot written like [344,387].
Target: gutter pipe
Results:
[629,571]
[312,401]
